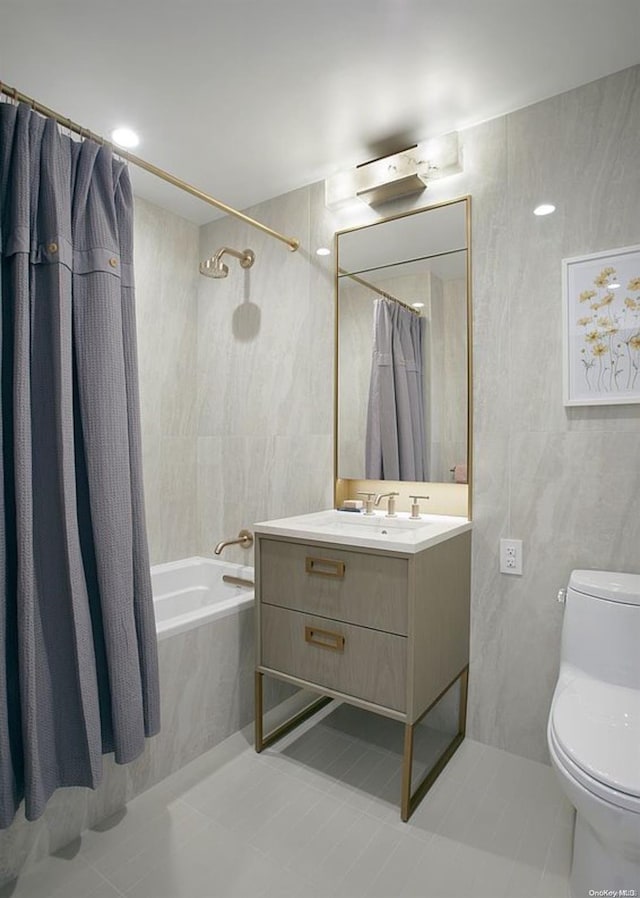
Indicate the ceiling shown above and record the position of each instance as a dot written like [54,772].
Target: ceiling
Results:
[248,99]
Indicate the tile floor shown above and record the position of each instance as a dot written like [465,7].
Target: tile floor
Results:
[316,816]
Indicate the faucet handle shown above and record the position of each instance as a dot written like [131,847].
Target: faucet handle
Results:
[415,507]
[391,505]
[368,502]
[391,510]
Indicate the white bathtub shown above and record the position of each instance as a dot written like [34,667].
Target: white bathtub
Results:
[206,661]
[191,592]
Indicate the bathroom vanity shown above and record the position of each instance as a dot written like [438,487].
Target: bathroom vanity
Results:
[367,609]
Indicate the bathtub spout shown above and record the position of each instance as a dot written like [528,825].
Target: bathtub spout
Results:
[245,539]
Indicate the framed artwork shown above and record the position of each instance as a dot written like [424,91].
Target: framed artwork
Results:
[601,324]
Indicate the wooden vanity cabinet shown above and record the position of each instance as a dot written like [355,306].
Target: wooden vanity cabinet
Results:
[385,631]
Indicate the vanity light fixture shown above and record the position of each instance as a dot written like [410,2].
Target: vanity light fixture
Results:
[544,209]
[391,177]
[323,251]
[125,137]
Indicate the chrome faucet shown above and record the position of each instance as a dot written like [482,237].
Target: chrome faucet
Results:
[245,539]
[391,505]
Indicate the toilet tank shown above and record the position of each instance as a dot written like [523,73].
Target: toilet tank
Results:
[601,628]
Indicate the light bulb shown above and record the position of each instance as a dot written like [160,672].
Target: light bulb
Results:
[125,137]
[544,209]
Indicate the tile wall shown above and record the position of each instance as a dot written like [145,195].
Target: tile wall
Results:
[166,273]
[265,373]
[565,481]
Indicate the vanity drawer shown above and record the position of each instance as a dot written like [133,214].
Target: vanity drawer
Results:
[360,662]
[370,590]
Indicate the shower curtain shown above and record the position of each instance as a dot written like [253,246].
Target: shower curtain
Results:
[395,438]
[78,655]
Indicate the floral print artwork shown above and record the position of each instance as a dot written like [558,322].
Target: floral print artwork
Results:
[604,328]
[612,333]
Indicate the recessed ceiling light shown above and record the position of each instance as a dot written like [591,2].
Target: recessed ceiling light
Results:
[418,305]
[323,251]
[614,286]
[544,209]
[125,137]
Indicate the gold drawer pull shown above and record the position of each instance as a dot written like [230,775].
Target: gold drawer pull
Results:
[316,565]
[324,639]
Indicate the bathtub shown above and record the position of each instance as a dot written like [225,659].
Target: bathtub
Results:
[206,661]
[191,593]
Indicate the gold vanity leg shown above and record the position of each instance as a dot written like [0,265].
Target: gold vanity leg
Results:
[408,801]
[462,710]
[262,741]
[258,712]
[407,764]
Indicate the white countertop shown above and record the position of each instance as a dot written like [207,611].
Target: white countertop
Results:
[355,529]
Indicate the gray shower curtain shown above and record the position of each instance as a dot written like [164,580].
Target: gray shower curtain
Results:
[395,447]
[78,655]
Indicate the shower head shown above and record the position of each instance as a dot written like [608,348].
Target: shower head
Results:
[215,267]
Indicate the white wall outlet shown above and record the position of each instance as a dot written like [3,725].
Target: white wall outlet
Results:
[511,556]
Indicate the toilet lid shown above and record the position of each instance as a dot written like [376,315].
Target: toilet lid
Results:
[608,585]
[597,725]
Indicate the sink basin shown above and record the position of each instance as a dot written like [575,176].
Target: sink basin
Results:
[358,529]
[363,525]
[375,521]
[398,534]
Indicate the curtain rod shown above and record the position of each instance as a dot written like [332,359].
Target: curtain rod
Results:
[67,123]
[359,280]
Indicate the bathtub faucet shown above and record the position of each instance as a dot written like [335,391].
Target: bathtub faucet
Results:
[245,539]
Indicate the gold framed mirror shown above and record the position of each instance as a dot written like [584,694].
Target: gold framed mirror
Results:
[403,357]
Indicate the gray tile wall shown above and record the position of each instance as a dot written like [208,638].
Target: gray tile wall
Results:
[265,374]
[564,481]
[166,272]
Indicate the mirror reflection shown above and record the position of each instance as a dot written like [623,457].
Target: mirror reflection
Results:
[402,348]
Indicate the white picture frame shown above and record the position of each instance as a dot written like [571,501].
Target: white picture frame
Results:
[601,327]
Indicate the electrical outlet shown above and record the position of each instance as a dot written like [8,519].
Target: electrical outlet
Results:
[511,556]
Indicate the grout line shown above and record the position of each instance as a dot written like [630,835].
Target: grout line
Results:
[108,881]
[365,848]
[557,827]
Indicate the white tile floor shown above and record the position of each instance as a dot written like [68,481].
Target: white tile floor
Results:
[316,816]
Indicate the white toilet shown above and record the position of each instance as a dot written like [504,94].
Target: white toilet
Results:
[594,730]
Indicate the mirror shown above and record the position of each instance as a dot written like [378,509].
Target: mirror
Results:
[402,333]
